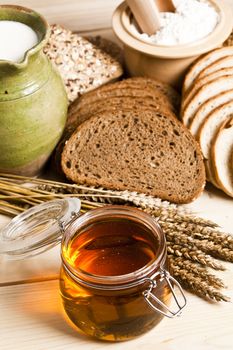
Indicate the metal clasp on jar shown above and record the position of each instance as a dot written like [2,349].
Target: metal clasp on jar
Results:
[151,298]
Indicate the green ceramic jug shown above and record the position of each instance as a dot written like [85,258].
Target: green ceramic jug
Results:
[33,102]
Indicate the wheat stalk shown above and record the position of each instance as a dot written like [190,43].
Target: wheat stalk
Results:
[194,254]
[191,241]
[177,263]
[196,285]
[154,206]
[201,233]
[216,250]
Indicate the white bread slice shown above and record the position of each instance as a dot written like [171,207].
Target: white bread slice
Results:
[222,63]
[203,62]
[211,126]
[222,150]
[206,92]
[210,175]
[207,108]
[231,162]
[207,135]
[203,80]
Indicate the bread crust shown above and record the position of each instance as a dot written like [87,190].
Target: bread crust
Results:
[206,92]
[222,151]
[116,147]
[201,63]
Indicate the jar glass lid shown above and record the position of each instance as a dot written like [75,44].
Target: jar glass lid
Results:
[37,229]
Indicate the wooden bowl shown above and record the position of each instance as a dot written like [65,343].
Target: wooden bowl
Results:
[166,63]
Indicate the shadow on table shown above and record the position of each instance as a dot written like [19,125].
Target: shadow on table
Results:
[43,304]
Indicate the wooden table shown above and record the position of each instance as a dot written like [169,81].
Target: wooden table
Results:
[30,310]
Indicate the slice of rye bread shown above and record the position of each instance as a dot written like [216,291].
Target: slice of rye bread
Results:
[222,151]
[207,108]
[142,82]
[206,92]
[203,81]
[164,90]
[112,104]
[203,62]
[146,152]
[98,95]
[115,103]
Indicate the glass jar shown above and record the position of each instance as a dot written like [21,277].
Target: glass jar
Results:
[114,280]
[115,283]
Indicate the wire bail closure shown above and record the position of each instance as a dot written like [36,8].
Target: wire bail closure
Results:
[63,226]
[151,298]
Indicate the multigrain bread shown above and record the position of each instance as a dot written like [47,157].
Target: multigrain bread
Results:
[107,46]
[146,152]
[206,92]
[203,62]
[208,107]
[82,65]
[203,80]
[222,151]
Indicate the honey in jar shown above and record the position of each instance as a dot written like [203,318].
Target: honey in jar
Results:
[112,260]
[114,282]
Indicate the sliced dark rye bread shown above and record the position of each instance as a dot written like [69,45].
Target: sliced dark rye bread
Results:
[165,89]
[100,95]
[146,152]
[76,117]
[168,94]
[109,105]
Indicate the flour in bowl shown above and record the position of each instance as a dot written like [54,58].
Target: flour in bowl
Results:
[193,20]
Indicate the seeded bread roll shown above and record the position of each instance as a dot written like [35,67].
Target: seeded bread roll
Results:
[134,151]
[82,65]
[206,92]
[107,46]
[208,107]
[222,151]
[203,62]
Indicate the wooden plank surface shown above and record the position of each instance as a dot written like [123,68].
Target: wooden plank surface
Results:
[80,15]
[31,318]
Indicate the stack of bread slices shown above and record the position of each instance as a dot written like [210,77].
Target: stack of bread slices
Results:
[126,136]
[207,110]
